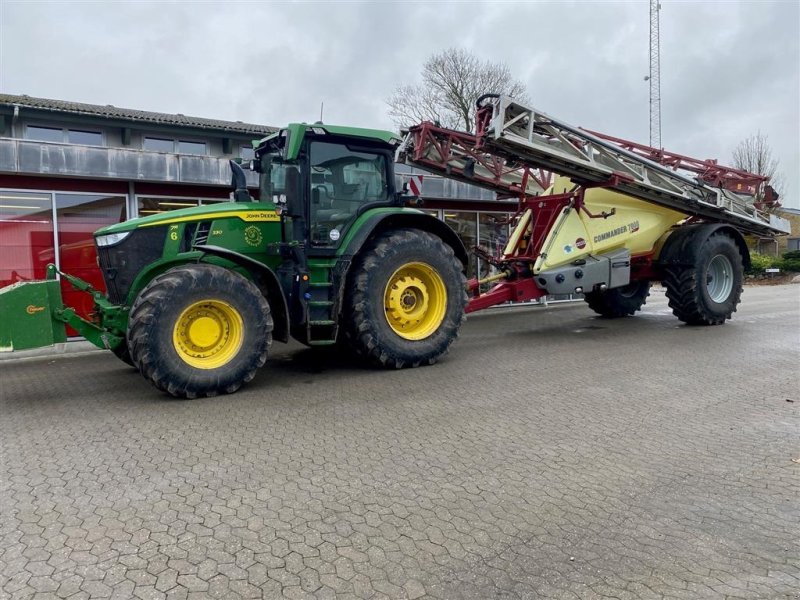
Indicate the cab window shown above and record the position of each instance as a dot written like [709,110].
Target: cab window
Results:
[342,181]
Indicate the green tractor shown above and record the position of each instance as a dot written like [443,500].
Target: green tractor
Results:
[329,254]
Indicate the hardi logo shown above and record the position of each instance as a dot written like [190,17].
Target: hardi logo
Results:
[32,310]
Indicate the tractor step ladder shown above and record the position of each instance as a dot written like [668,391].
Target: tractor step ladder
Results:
[322,329]
[515,145]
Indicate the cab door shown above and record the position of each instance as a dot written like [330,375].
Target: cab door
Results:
[344,180]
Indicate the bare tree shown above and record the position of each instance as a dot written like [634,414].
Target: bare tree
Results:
[452,81]
[754,155]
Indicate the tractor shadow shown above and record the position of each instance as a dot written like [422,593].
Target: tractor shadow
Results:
[297,364]
[297,359]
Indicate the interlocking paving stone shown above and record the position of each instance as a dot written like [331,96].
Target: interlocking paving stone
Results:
[551,454]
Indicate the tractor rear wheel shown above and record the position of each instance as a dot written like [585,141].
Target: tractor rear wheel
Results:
[708,291]
[406,298]
[619,302]
[199,330]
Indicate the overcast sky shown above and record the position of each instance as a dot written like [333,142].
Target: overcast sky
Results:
[729,69]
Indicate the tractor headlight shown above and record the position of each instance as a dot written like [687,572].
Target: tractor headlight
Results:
[111,239]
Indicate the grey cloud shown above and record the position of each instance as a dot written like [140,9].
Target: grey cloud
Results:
[728,69]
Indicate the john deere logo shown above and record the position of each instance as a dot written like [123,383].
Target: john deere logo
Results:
[253,236]
[32,310]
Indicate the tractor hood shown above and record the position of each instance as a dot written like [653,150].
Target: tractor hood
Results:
[195,213]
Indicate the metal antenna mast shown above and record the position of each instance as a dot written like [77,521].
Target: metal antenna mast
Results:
[655,76]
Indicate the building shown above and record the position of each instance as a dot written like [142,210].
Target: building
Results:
[68,168]
[792,241]
[777,246]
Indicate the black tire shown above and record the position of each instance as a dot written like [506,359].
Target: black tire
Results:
[619,302]
[707,292]
[122,353]
[164,314]
[366,324]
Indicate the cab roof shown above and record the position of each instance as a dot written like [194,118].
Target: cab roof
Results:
[296,132]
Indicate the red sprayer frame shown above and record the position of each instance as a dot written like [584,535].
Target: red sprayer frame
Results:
[442,150]
[467,157]
[448,143]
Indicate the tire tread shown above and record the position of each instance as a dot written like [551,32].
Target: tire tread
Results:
[611,305]
[359,328]
[143,320]
[686,296]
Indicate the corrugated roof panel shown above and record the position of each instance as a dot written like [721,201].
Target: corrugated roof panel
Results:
[141,116]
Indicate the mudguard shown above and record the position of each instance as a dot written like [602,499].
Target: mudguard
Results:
[384,222]
[681,245]
[266,279]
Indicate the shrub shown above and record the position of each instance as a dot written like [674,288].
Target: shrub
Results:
[789,263]
[792,265]
[760,262]
[792,255]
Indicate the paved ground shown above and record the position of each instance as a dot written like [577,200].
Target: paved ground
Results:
[550,455]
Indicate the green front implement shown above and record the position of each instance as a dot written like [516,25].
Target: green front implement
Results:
[33,315]
[26,316]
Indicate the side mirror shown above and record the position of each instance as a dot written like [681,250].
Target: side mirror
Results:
[404,196]
[239,183]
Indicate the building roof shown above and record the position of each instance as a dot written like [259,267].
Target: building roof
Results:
[128,114]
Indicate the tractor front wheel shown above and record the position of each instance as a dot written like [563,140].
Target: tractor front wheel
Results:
[406,298]
[619,302]
[708,291]
[199,330]
[122,353]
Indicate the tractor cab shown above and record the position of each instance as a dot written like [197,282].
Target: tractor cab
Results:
[321,178]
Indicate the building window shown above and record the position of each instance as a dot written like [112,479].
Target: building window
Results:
[78,216]
[44,134]
[152,206]
[247,152]
[149,205]
[26,235]
[159,145]
[63,135]
[466,226]
[185,147]
[492,238]
[85,138]
[27,238]
[175,146]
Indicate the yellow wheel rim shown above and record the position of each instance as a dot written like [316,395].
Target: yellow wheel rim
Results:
[208,334]
[415,301]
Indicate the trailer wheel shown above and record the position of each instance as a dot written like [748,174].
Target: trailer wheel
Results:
[406,299]
[707,292]
[619,302]
[199,330]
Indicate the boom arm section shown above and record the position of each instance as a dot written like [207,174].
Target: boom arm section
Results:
[459,155]
[515,147]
